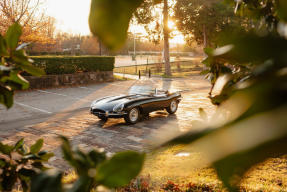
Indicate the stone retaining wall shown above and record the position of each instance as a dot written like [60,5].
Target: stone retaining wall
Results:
[50,81]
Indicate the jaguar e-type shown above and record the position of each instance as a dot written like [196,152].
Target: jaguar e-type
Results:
[140,101]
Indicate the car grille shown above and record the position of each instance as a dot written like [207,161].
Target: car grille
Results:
[98,111]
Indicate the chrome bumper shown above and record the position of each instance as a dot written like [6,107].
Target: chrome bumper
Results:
[109,114]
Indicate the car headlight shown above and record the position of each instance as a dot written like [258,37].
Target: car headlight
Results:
[118,107]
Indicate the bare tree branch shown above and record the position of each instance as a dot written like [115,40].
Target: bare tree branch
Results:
[34,21]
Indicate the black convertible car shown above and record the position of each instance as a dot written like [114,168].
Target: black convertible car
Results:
[141,101]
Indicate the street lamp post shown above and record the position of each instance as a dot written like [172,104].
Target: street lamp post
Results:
[134,45]
[134,55]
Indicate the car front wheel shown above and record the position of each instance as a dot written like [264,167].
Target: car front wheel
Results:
[172,107]
[133,116]
[103,118]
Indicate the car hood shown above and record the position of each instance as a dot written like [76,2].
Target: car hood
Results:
[108,103]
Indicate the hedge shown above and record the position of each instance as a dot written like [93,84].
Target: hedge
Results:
[54,65]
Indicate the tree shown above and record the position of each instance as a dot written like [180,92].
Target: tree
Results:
[90,46]
[36,26]
[202,21]
[146,15]
[166,39]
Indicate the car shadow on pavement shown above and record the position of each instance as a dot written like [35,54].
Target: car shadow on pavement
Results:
[151,118]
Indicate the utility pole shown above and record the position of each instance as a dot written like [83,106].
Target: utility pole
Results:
[166,39]
[100,47]
[134,45]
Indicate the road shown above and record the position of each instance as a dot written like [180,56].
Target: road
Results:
[121,61]
[65,111]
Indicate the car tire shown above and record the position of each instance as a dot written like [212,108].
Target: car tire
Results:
[103,118]
[172,108]
[133,116]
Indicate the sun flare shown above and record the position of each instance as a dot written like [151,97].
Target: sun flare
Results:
[72,17]
[171,25]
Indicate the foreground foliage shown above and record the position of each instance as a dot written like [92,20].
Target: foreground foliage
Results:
[19,163]
[253,103]
[93,168]
[13,61]
[25,165]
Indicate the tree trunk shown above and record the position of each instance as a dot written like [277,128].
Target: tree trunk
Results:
[166,39]
[204,37]
[100,47]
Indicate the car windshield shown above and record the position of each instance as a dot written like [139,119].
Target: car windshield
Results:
[141,89]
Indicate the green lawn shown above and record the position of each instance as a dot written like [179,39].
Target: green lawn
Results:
[165,166]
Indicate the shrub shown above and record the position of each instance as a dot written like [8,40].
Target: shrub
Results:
[19,163]
[24,165]
[93,168]
[54,65]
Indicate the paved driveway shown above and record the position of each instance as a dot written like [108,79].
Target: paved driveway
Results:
[65,111]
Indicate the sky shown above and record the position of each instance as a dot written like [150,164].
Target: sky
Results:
[72,17]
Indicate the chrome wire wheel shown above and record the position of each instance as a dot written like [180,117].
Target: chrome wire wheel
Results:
[173,106]
[134,115]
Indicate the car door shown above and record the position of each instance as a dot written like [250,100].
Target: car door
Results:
[160,102]
[150,105]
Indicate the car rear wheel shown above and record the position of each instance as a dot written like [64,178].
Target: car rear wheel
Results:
[133,116]
[172,107]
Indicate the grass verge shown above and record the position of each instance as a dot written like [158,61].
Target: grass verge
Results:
[172,170]
[121,78]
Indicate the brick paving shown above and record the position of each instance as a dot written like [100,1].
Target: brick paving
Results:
[87,131]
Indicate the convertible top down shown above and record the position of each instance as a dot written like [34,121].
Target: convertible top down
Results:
[141,101]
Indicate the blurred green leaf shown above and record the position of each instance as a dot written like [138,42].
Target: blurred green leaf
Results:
[32,69]
[25,181]
[83,184]
[260,45]
[45,156]
[20,58]
[6,149]
[120,169]
[81,162]
[2,163]
[31,157]
[230,169]
[3,47]
[13,35]
[47,181]
[6,96]
[208,61]
[208,50]
[9,177]
[188,137]
[204,72]
[282,10]
[109,20]
[19,144]
[97,157]
[67,151]
[40,166]
[27,172]
[16,81]
[37,146]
